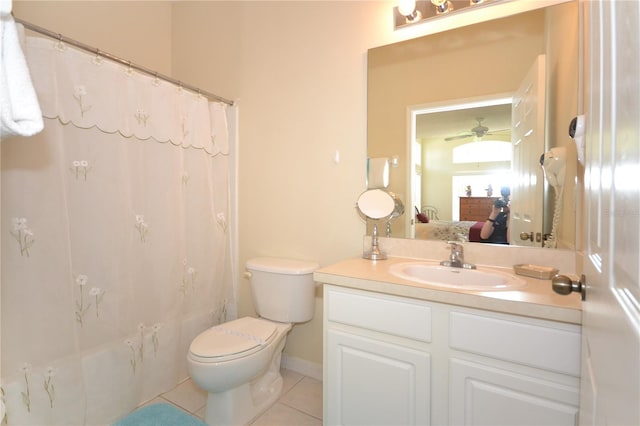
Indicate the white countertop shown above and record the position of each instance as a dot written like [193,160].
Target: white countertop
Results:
[536,300]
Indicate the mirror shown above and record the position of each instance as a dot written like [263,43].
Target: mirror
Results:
[378,205]
[456,77]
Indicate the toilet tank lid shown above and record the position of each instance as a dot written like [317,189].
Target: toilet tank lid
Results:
[281,266]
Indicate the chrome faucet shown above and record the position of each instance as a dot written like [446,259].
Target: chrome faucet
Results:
[456,258]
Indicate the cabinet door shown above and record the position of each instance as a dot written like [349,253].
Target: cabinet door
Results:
[372,382]
[484,395]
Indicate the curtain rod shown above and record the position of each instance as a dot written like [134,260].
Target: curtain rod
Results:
[115,58]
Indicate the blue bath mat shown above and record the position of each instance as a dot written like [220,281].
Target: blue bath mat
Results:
[159,415]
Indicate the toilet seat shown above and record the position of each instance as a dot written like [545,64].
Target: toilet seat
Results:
[232,340]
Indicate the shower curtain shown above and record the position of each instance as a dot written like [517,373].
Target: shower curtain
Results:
[115,239]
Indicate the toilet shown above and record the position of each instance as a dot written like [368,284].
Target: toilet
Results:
[238,362]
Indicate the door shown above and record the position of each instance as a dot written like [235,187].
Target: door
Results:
[528,131]
[415,169]
[610,388]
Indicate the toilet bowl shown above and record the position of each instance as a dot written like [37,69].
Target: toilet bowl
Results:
[239,370]
[238,362]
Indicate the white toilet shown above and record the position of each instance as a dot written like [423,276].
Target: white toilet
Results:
[238,362]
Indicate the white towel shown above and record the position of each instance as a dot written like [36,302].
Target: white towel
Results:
[377,173]
[20,113]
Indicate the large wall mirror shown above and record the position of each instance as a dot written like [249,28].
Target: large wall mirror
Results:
[449,108]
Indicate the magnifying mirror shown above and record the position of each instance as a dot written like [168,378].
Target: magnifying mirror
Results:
[375,205]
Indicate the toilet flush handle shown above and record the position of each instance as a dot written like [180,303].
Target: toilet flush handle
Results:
[247,275]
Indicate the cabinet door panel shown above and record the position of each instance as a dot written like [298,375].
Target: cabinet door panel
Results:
[375,383]
[483,395]
[521,341]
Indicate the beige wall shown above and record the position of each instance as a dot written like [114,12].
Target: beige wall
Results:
[138,31]
[298,71]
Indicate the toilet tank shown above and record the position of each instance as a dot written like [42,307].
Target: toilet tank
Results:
[283,289]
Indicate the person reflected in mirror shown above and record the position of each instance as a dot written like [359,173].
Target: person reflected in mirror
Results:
[495,228]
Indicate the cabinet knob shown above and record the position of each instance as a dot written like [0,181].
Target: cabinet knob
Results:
[562,284]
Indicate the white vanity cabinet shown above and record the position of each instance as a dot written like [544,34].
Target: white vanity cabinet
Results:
[377,365]
[401,361]
[510,370]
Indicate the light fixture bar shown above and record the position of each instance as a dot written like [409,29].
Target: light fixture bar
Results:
[404,14]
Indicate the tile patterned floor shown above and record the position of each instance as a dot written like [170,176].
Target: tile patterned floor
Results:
[300,403]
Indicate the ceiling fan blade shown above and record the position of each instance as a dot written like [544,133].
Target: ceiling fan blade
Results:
[460,136]
[493,132]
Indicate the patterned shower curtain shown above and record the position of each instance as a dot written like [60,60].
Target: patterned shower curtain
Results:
[115,239]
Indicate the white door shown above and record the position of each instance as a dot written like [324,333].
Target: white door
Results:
[415,169]
[528,130]
[610,390]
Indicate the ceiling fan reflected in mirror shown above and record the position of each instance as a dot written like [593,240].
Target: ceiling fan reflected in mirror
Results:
[478,131]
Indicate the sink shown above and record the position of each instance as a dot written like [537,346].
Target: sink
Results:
[465,279]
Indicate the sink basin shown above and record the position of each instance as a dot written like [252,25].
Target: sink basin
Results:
[465,279]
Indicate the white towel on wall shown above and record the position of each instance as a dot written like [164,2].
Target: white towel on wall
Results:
[377,173]
[20,113]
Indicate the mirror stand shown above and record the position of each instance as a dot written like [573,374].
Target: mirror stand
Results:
[375,253]
[375,205]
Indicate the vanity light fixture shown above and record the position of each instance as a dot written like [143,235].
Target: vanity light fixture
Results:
[407,8]
[409,12]
[443,6]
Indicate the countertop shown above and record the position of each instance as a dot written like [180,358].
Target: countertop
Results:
[536,300]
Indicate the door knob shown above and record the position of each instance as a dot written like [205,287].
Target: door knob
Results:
[526,236]
[562,284]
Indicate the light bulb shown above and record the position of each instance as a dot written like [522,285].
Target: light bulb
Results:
[406,7]
[442,6]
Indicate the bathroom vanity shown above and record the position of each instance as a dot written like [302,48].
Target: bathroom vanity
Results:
[401,352]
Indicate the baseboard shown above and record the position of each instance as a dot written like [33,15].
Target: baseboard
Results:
[301,366]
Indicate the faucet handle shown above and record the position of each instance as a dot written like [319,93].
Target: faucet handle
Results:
[462,238]
[454,244]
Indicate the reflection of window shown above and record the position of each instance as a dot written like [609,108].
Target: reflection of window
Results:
[482,152]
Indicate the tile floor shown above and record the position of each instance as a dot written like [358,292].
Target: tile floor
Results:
[299,405]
